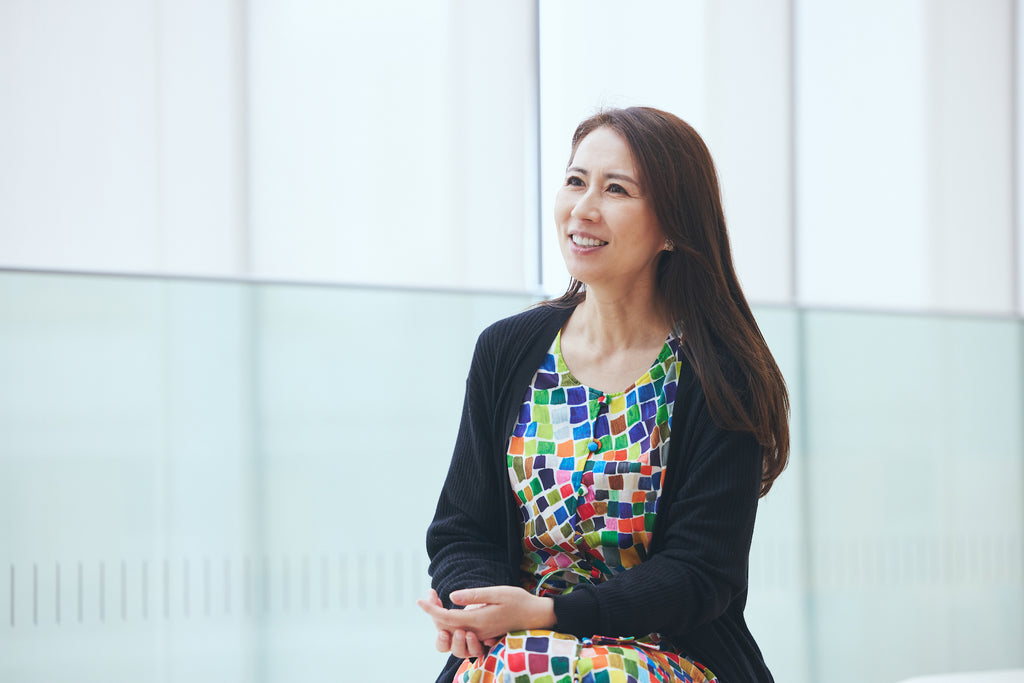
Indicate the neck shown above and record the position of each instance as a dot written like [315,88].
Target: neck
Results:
[616,322]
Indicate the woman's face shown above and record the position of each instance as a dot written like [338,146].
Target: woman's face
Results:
[607,230]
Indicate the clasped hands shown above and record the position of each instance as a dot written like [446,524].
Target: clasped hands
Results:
[488,613]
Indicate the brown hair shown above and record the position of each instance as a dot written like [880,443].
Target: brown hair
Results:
[697,282]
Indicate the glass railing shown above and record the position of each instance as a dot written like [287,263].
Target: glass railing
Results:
[893,545]
[225,481]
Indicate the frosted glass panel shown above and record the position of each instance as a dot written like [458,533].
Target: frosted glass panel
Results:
[916,466]
[222,482]
[125,416]
[776,610]
[231,482]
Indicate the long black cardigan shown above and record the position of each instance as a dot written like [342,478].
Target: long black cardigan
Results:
[693,586]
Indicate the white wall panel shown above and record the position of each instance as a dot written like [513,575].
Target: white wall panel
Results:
[903,161]
[970,156]
[120,136]
[387,141]
[862,153]
[78,134]
[201,80]
[494,146]
[1018,87]
[748,130]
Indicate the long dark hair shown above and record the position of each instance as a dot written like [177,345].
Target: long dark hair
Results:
[697,282]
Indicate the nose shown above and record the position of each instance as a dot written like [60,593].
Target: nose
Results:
[587,208]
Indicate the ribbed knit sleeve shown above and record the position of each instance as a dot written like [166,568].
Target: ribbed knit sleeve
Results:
[467,539]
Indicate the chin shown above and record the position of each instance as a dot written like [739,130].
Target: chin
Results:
[583,277]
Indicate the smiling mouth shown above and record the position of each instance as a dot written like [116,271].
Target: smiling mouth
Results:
[586,241]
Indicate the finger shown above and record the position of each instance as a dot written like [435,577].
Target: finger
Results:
[459,644]
[434,598]
[442,620]
[444,641]
[447,619]
[430,608]
[473,645]
[469,596]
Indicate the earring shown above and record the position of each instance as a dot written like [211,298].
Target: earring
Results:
[669,246]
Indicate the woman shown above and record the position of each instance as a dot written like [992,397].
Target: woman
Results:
[595,523]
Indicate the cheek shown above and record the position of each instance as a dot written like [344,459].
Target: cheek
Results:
[654,231]
[563,207]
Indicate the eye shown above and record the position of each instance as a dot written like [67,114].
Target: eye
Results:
[575,181]
[617,189]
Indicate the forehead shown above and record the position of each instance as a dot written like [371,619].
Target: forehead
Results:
[603,148]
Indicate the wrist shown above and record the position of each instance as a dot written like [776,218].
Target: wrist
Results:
[545,613]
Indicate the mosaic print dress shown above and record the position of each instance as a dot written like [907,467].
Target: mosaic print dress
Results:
[587,469]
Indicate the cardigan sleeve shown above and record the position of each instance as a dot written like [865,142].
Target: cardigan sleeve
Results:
[698,565]
[466,540]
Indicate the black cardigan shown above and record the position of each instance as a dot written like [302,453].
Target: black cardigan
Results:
[693,586]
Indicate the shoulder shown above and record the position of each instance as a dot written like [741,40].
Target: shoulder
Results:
[509,351]
[528,322]
[539,323]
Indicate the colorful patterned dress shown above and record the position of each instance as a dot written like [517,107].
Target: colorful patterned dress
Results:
[587,469]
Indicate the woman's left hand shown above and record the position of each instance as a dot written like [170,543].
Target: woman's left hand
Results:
[489,613]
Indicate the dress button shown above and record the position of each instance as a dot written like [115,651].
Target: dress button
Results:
[593,446]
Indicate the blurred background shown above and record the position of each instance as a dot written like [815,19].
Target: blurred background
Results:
[246,247]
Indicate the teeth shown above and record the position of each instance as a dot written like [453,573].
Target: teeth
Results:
[587,241]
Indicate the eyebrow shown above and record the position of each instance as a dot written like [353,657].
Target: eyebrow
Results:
[613,176]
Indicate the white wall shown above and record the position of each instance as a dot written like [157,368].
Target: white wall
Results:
[392,142]
[119,136]
[905,156]
[387,142]
[1019,149]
